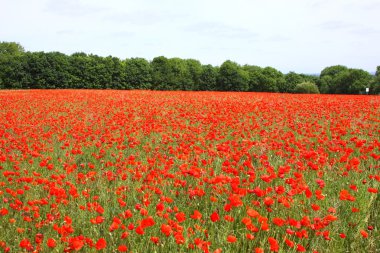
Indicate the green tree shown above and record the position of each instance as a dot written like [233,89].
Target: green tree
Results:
[101,72]
[375,85]
[328,78]
[12,69]
[232,77]
[275,78]
[10,49]
[266,79]
[174,73]
[291,80]
[193,74]
[79,65]
[310,78]
[138,74]
[20,69]
[352,81]
[333,70]
[38,68]
[208,78]
[306,88]
[116,68]
[325,84]
[160,71]
[90,71]
[178,77]
[13,72]
[57,73]
[256,77]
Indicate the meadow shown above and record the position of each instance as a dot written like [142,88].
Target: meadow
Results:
[172,171]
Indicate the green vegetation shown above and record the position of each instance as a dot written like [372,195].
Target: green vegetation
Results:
[306,87]
[54,70]
[340,79]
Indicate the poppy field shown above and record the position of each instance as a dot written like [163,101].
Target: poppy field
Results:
[153,171]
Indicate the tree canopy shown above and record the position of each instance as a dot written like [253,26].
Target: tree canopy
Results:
[37,70]
[10,49]
[339,79]
[232,77]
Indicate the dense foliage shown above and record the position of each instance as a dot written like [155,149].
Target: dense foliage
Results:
[306,88]
[37,70]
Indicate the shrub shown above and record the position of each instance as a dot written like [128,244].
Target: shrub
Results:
[306,87]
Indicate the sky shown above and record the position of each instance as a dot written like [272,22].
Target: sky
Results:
[304,36]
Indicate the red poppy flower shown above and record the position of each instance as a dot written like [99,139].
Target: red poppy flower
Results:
[154,239]
[196,215]
[3,211]
[253,213]
[278,221]
[345,195]
[259,250]
[214,217]
[76,243]
[122,248]
[289,243]
[372,190]
[140,230]
[364,233]
[274,246]
[26,244]
[166,229]
[231,239]
[51,243]
[300,248]
[101,244]
[181,217]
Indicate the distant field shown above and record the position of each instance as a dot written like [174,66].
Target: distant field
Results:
[150,171]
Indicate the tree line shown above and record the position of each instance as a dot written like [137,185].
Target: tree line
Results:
[54,70]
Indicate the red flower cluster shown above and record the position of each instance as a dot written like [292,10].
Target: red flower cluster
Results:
[149,171]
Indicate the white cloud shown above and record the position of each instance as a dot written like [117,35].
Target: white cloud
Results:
[71,8]
[219,30]
[299,35]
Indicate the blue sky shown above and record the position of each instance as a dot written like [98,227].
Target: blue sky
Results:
[294,35]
